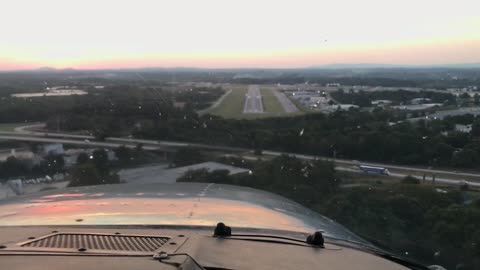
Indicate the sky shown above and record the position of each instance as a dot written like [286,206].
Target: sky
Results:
[96,34]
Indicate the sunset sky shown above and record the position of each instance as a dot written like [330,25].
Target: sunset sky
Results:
[232,33]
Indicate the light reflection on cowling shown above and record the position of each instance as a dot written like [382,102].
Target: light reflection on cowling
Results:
[192,204]
[151,211]
[64,195]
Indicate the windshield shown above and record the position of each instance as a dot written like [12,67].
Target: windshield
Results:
[362,119]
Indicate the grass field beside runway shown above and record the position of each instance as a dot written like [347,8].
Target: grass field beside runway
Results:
[10,127]
[270,102]
[232,105]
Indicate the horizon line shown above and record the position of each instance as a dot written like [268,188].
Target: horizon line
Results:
[327,66]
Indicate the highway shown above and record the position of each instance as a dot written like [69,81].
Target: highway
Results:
[110,142]
[33,125]
[85,142]
[253,100]
[419,176]
[448,177]
[388,166]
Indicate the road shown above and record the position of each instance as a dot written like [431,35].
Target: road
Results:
[345,168]
[7,192]
[342,164]
[388,166]
[74,142]
[253,100]
[287,104]
[109,142]
[24,128]
[401,175]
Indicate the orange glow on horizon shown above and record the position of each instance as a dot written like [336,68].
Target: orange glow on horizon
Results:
[223,34]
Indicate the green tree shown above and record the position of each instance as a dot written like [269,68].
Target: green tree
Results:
[87,174]
[187,156]
[443,153]
[410,180]
[454,235]
[465,158]
[124,154]
[101,162]
[476,128]
[205,176]
[219,176]
[100,134]
[53,164]
[82,158]
[476,99]
[323,175]
[13,167]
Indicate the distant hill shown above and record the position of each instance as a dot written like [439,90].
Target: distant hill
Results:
[467,65]
[366,66]
[45,69]
[378,66]
[354,66]
[51,69]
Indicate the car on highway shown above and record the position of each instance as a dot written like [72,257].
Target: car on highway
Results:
[464,183]
[374,170]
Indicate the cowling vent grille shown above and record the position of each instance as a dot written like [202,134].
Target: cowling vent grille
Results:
[106,242]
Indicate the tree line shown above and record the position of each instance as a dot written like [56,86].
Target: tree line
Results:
[94,169]
[13,167]
[412,220]
[381,135]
